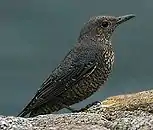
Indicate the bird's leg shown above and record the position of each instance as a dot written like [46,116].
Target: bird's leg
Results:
[70,109]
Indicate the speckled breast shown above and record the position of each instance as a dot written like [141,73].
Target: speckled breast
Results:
[90,84]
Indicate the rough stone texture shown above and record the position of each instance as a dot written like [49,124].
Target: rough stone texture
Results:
[123,112]
[129,102]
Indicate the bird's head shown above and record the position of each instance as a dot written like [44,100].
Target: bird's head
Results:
[100,28]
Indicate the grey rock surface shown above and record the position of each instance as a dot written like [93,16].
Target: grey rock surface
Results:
[137,120]
[123,112]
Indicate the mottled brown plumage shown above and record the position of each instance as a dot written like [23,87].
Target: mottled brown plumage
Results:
[84,69]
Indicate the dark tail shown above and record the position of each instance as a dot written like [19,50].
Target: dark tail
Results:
[35,113]
[39,111]
[26,110]
[32,113]
[23,113]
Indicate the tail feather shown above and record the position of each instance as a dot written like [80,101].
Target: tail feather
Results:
[43,110]
[35,112]
[23,113]
[27,109]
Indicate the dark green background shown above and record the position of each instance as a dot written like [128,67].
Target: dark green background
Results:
[36,34]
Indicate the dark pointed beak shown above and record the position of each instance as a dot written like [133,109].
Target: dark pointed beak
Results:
[122,19]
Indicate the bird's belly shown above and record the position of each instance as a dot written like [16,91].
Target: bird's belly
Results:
[82,90]
[85,88]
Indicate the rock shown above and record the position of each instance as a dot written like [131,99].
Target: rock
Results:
[14,123]
[129,102]
[123,112]
[75,121]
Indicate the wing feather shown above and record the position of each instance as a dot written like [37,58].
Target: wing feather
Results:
[55,85]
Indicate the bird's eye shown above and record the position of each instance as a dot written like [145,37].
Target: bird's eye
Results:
[105,24]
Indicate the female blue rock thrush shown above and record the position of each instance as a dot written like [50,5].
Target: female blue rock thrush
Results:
[81,73]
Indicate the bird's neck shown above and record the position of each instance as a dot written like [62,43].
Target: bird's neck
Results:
[97,39]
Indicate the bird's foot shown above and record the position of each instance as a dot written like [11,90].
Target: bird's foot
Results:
[74,110]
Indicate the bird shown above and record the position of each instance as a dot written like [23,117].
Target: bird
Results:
[85,68]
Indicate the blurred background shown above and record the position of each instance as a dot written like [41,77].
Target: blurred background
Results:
[36,34]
